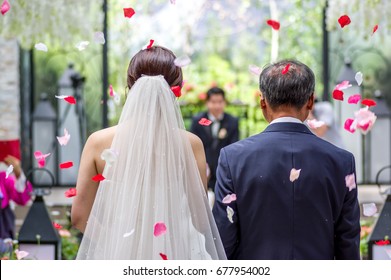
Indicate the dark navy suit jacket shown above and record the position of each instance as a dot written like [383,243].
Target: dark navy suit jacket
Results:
[313,217]
[212,146]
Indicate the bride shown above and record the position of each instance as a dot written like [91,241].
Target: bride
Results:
[151,202]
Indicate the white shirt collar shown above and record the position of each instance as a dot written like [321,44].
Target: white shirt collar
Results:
[286,119]
[213,119]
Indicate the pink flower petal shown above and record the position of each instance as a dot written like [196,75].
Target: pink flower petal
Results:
[255,70]
[286,69]
[344,20]
[338,95]
[5,7]
[205,122]
[128,12]
[369,209]
[159,229]
[57,226]
[230,214]
[354,99]
[350,182]
[21,254]
[314,124]
[70,193]
[295,173]
[173,2]
[111,90]
[66,165]
[41,158]
[163,256]
[63,140]
[99,38]
[364,120]
[182,61]
[229,198]
[273,24]
[343,85]
[348,125]
[375,29]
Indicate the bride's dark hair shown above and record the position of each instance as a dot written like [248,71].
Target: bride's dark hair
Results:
[153,62]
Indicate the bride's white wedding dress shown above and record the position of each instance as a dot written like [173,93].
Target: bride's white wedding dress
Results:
[152,180]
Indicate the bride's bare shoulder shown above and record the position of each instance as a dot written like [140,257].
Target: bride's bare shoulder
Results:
[102,138]
[195,141]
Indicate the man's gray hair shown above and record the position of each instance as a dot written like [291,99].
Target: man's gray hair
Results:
[294,88]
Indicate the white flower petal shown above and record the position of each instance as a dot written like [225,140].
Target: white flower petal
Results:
[41,47]
[358,78]
[63,140]
[255,70]
[99,38]
[81,46]
[295,173]
[109,156]
[9,171]
[314,124]
[350,182]
[182,61]
[129,233]
[20,254]
[369,209]
[230,214]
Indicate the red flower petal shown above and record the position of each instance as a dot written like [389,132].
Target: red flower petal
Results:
[364,126]
[70,99]
[57,226]
[354,99]
[344,20]
[337,94]
[177,91]
[205,122]
[375,29]
[98,178]
[274,24]
[163,256]
[65,165]
[71,192]
[348,124]
[5,7]
[129,12]
[382,242]
[150,44]
[368,102]
[286,69]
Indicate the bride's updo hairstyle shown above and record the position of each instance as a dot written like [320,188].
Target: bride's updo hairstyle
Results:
[153,62]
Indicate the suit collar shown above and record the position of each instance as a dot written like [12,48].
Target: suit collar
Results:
[287,126]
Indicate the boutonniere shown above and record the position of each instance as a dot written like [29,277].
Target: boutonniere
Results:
[222,133]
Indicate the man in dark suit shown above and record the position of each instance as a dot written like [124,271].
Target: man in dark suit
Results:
[223,131]
[285,193]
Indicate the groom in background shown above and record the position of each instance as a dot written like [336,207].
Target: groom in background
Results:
[296,195]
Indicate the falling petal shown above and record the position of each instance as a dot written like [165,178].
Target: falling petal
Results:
[111,90]
[343,85]
[350,181]
[57,226]
[69,99]
[182,61]
[128,12]
[41,47]
[41,158]
[5,7]
[129,233]
[375,29]
[64,233]
[21,254]
[286,69]
[354,99]
[230,214]
[9,171]
[66,165]
[348,125]
[274,24]
[150,44]
[98,178]
[63,140]
[338,95]
[364,120]
[177,91]
[295,173]
[314,124]
[99,38]
[109,156]
[344,20]
[159,229]
[81,46]
[205,122]
[382,242]
[369,209]
[255,70]
[368,102]
[70,193]
[229,198]
[359,78]
[163,256]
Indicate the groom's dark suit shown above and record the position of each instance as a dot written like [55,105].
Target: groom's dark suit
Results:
[313,217]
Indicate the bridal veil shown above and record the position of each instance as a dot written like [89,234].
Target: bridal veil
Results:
[152,204]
